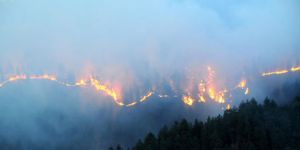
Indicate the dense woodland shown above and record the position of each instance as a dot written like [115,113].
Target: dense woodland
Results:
[251,126]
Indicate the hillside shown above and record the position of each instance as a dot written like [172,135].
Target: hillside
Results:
[251,126]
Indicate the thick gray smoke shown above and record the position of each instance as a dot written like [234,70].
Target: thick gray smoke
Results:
[137,45]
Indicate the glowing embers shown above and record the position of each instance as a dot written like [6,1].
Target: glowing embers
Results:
[243,86]
[201,91]
[188,100]
[228,107]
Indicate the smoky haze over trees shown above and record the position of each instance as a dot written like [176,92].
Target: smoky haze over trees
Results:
[42,115]
[251,126]
[136,46]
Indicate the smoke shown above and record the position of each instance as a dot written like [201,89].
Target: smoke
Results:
[136,46]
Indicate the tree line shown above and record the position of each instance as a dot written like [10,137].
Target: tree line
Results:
[251,126]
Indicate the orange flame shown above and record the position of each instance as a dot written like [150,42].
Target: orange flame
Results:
[278,72]
[81,82]
[284,71]
[131,104]
[247,91]
[145,97]
[228,106]
[188,100]
[220,97]
[211,93]
[294,69]
[242,84]
[210,83]
[45,77]
[17,77]
[110,92]
[202,99]
[201,90]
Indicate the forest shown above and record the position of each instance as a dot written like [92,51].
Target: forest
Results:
[251,126]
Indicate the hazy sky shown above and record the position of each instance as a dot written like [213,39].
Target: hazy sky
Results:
[132,42]
[113,36]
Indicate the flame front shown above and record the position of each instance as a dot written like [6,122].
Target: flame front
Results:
[44,77]
[283,71]
[17,77]
[294,69]
[81,83]
[131,104]
[278,72]
[145,97]
[205,89]
[110,92]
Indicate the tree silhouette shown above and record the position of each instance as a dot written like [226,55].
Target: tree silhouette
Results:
[251,126]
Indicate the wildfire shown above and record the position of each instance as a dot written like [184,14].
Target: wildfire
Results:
[44,77]
[206,89]
[131,104]
[119,103]
[110,92]
[25,77]
[202,99]
[220,97]
[81,83]
[284,71]
[211,93]
[294,69]
[17,77]
[201,90]
[279,72]
[145,97]
[217,96]
[210,83]
[242,84]
[228,107]
[247,91]
[188,100]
